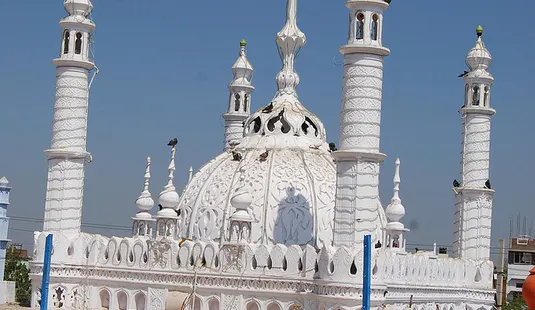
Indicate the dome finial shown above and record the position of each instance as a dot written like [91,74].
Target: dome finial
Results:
[289,40]
[145,202]
[395,210]
[479,31]
[243,43]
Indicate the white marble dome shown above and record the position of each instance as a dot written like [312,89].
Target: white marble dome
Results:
[292,196]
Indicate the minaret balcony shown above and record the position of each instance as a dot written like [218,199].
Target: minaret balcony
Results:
[362,48]
[473,109]
[66,154]
[74,62]
[367,3]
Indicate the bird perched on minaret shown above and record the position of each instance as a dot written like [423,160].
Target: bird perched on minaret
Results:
[463,74]
[456,183]
[487,185]
[264,156]
[173,142]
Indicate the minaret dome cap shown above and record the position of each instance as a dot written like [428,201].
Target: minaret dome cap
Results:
[479,31]
[78,7]
[243,42]
[4,182]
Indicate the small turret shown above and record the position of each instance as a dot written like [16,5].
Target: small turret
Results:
[168,201]
[239,98]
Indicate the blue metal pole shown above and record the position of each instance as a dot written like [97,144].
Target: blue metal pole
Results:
[46,273]
[367,274]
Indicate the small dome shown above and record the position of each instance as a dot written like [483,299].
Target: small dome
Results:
[242,69]
[78,7]
[395,211]
[143,215]
[479,57]
[145,203]
[4,182]
[169,199]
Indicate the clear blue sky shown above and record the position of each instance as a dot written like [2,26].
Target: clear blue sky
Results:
[164,66]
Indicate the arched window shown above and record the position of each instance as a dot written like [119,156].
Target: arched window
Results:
[213,304]
[273,306]
[252,306]
[104,299]
[375,25]
[140,301]
[78,43]
[486,101]
[466,95]
[237,102]
[245,102]
[359,31]
[66,40]
[475,95]
[122,300]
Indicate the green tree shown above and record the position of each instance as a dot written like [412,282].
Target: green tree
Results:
[16,271]
[517,303]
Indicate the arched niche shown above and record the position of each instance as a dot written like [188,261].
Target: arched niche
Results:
[273,306]
[252,305]
[213,304]
[141,301]
[104,296]
[122,300]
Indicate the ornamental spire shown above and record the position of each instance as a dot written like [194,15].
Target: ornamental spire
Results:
[169,198]
[289,41]
[145,202]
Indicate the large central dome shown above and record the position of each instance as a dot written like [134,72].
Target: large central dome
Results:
[292,190]
[287,167]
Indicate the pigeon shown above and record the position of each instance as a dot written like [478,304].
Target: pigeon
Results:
[378,245]
[236,156]
[173,142]
[463,74]
[416,250]
[487,185]
[264,156]
[456,183]
[332,147]
[268,109]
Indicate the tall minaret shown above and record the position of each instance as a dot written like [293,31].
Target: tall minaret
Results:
[358,156]
[473,195]
[239,99]
[4,222]
[67,154]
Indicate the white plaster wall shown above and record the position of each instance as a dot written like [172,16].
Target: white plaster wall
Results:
[360,118]
[476,150]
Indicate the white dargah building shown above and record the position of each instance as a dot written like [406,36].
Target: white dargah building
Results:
[277,220]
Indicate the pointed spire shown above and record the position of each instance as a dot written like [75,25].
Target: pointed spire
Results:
[397,181]
[190,176]
[395,210]
[169,198]
[289,41]
[145,202]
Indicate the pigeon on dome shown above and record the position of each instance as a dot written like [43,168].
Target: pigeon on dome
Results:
[168,198]
[145,202]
